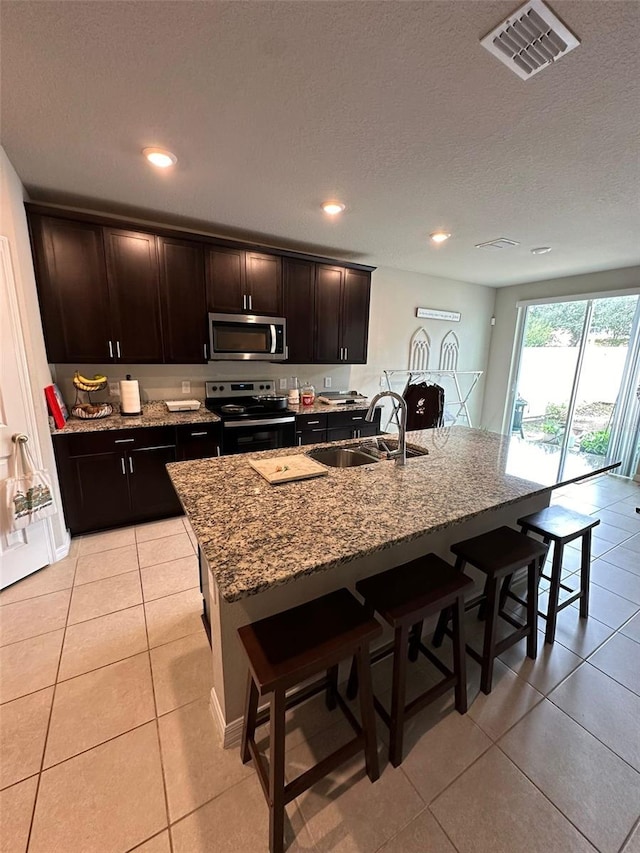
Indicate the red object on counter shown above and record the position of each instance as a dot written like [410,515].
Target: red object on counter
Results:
[56,405]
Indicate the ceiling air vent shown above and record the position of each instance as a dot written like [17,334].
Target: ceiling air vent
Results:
[530,39]
[498,243]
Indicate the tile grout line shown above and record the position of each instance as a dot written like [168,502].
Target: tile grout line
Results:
[155,705]
[53,699]
[634,828]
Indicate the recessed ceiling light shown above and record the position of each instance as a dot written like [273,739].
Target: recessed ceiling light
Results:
[439,236]
[160,157]
[541,250]
[332,207]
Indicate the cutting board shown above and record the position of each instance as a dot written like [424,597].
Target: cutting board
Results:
[284,469]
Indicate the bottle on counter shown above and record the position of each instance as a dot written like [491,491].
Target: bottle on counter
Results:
[293,398]
[307,394]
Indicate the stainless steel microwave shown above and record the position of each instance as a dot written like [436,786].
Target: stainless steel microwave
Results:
[247,337]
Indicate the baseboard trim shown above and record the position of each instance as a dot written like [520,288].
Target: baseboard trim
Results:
[62,551]
[230,733]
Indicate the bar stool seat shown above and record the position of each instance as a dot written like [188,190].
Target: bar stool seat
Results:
[559,525]
[498,554]
[404,597]
[285,650]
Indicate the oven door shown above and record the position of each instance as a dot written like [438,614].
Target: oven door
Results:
[250,436]
[246,337]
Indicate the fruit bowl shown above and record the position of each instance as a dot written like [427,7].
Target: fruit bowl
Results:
[86,411]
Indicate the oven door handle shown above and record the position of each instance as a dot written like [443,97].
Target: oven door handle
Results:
[258,422]
[273,338]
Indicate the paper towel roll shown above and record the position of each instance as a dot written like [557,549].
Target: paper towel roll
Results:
[130,396]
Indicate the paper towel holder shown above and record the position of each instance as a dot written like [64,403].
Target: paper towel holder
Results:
[136,392]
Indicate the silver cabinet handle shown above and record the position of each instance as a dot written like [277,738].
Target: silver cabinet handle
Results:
[194,434]
[250,302]
[357,419]
[204,347]
[286,351]
[110,350]
[123,440]
[122,465]
[244,301]
[131,464]
[346,353]
[218,451]
[317,430]
[299,441]
[118,348]
[311,423]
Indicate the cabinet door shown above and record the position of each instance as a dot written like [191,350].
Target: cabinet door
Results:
[152,492]
[355,315]
[299,278]
[199,441]
[184,307]
[311,436]
[96,492]
[328,307]
[72,288]
[264,283]
[225,275]
[134,294]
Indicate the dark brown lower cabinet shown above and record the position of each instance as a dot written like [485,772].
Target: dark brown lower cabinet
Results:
[335,426]
[117,477]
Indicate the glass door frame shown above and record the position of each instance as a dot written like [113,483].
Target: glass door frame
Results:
[633,358]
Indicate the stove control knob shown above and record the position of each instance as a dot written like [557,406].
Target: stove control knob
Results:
[214,387]
[262,387]
[221,388]
[268,387]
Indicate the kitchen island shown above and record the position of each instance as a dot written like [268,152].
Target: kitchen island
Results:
[264,548]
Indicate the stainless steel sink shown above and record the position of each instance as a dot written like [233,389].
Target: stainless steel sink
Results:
[380,446]
[342,457]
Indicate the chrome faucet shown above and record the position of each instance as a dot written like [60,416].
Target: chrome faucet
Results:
[400,455]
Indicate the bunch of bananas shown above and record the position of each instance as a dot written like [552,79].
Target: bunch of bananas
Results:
[84,384]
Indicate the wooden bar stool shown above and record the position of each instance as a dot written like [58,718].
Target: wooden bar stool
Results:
[498,553]
[559,525]
[404,597]
[285,650]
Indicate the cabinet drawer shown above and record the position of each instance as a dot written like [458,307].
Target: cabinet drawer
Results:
[311,421]
[116,439]
[199,441]
[343,419]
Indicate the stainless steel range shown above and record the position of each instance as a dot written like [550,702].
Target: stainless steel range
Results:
[254,417]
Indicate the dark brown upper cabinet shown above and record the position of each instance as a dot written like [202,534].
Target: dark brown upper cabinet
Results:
[225,272]
[134,295]
[342,314]
[239,281]
[183,301]
[72,288]
[298,282]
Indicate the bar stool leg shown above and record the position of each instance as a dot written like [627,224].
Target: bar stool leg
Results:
[459,656]
[367,713]
[276,773]
[585,574]
[445,615]
[532,610]
[332,688]
[352,683]
[249,723]
[554,593]
[490,633]
[414,641]
[398,694]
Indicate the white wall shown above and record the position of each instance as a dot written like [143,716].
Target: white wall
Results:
[13,225]
[503,339]
[395,294]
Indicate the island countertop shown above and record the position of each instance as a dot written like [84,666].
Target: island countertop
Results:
[256,536]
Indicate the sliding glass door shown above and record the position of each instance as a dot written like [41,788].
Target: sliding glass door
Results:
[575,395]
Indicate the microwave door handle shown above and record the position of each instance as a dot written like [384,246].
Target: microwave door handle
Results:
[273,338]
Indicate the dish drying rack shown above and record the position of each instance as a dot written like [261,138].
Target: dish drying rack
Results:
[460,378]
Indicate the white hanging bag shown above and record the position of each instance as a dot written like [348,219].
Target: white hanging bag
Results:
[28,491]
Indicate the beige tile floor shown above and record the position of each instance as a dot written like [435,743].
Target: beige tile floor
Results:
[107,744]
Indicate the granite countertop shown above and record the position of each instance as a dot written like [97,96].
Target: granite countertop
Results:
[154,413]
[296,529]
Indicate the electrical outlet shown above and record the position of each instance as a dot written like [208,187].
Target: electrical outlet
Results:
[283,384]
[186,386]
[114,389]
[327,382]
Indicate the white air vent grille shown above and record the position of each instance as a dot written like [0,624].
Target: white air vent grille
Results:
[530,39]
[498,243]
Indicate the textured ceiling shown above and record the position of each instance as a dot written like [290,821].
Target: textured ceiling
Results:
[392,107]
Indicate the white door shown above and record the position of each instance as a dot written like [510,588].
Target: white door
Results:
[26,551]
